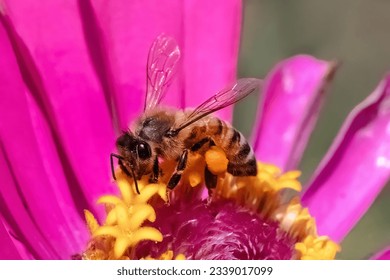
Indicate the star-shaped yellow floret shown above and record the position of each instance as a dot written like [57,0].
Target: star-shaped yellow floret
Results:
[295,219]
[126,215]
[262,193]
[168,255]
[124,226]
[125,238]
[316,248]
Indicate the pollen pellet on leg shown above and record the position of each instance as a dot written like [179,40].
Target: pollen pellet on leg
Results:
[163,224]
[216,160]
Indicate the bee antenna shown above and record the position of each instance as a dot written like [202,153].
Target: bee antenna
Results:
[112,164]
[135,180]
[121,164]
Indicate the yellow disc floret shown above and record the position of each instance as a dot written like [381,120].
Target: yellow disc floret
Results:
[168,255]
[316,248]
[124,227]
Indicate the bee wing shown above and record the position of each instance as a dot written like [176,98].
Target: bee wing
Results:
[224,98]
[162,59]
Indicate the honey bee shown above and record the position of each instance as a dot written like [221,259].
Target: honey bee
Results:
[172,134]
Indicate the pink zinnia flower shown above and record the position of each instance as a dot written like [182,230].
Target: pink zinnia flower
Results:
[73,75]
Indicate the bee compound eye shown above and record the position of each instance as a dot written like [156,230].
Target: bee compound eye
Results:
[143,151]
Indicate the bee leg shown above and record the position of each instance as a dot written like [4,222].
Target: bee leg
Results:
[181,165]
[154,177]
[210,179]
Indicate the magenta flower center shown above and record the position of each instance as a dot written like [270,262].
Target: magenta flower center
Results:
[216,230]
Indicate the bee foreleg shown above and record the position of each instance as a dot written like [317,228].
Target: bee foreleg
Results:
[181,165]
[156,170]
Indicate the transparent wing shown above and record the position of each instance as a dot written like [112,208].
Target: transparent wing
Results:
[222,99]
[162,59]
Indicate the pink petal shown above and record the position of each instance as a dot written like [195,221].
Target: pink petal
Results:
[15,211]
[206,32]
[294,91]
[212,39]
[382,255]
[8,250]
[128,31]
[355,169]
[62,78]
[38,203]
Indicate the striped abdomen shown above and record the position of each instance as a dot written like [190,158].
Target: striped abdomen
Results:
[242,161]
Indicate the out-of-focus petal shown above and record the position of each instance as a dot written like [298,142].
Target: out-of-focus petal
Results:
[355,169]
[50,45]
[34,189]
[293,94]
[382,255]
[207,34]
[8,250]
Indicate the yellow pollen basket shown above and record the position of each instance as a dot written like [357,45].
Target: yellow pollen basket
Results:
[123,227]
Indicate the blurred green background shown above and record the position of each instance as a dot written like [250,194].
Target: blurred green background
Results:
[356,32]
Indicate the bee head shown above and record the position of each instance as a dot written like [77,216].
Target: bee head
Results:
[136,153]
